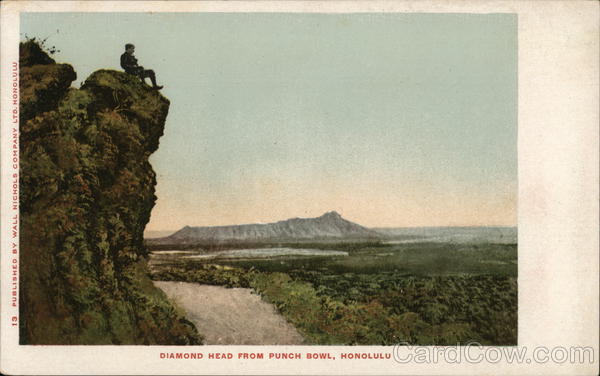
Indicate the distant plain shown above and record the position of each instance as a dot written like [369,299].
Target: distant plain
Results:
[422,285]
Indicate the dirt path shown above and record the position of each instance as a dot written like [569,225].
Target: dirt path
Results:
[231,316]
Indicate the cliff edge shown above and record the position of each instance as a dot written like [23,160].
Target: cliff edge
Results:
[87,190]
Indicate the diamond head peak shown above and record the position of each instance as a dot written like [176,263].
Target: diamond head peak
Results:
[329,226]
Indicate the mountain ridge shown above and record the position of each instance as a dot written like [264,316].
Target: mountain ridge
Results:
[330,225]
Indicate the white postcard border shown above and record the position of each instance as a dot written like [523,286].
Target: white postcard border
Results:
[558,198]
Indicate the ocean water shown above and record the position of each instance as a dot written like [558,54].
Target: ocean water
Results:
[461,235]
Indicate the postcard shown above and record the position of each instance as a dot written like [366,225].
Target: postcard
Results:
[299,187]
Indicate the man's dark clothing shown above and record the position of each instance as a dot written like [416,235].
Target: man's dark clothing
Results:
[130,65]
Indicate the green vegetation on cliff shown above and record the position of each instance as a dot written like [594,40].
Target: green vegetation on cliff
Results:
[87,190]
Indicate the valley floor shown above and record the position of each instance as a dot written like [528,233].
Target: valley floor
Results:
[231,316]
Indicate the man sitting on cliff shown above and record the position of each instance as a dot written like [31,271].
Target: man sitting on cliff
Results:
[130,65]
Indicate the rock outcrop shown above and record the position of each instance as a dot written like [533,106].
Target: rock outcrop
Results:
[87,190]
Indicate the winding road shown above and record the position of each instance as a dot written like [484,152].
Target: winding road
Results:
[231,316]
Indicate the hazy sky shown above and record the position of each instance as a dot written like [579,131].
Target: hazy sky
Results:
[389,119]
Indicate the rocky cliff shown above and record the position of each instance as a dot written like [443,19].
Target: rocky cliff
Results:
[87,190]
